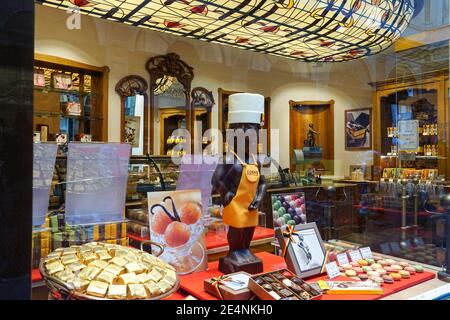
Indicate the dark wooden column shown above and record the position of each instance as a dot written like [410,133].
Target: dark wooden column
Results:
[16,149]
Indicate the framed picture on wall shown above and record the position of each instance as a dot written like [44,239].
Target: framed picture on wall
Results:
[132,130]
[358,131]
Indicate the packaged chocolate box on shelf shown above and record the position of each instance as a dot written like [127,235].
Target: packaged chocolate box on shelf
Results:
[232,286]
[109,271]
[78,235]
[41,246]
[282,285]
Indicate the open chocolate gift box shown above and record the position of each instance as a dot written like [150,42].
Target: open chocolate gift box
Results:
[282,285]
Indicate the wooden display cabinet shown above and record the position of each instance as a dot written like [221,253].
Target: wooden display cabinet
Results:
[174,118]
[89,88]
[423,98]
[223,114]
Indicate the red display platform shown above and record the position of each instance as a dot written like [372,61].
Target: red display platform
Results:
[193,283]
[36,275]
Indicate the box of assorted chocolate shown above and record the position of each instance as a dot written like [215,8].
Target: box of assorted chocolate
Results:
[282,285]
[232,286]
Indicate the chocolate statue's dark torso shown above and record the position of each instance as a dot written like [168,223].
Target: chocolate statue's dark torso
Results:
[242,189]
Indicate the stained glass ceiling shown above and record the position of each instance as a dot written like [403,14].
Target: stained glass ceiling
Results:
[307,30]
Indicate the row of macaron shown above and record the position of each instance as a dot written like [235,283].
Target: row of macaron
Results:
[380,271]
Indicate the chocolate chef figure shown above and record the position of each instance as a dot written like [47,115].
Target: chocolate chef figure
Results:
[241,187]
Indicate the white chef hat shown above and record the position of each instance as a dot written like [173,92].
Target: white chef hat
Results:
[245,108]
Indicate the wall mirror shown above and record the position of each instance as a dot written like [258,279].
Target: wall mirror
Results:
[170,107]
[134,113]
[202,104]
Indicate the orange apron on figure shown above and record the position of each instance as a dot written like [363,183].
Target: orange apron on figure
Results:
[236,213]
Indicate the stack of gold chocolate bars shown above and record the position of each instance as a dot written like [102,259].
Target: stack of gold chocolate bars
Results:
[104,270]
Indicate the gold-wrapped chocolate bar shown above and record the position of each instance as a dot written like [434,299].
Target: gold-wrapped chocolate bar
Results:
[51,259]
[114,269]
[97,288]
[120,253]
[54,254]
[69,258]
[65,275]
[129,278]
[79,284]
[54,267]
[131,257]
[88,257]
[155,275]
[89,273]
[144,277]
[163,286]
[103,255]
[99,248]
[137,291]
[85,248]
[171,277]
[134,267]
[76,266]
[99,264]
[119,261]
[70,250]
[117,291]
[152,288]
[144,267]
[106,276]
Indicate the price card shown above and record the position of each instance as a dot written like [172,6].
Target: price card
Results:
[355,255]
[332,270]
[342,259]
[366,252]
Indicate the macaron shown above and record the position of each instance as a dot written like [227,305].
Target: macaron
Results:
[347,266]
[389,269]
[396,276]
[383,263]
[363,277]
[404,274]
[390,261]
[396,267]
[403,264]
[378,280]
[367,269]
[358,270]
[350,273]
[370,261]
[373,274]
[382,272]
[376,266]
[388,279]
[363,263]
[411,270]
[419,269]
[354,264]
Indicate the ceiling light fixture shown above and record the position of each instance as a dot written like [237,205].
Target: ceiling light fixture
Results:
[306,30]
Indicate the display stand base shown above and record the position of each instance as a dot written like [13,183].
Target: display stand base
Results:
[240,261]
[443,276]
